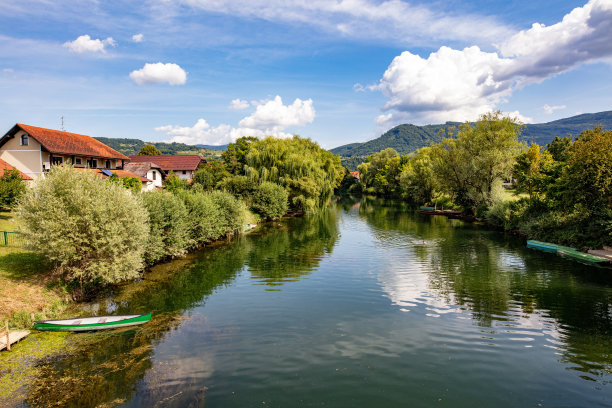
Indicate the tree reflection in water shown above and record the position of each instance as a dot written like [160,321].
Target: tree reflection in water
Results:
[505,285]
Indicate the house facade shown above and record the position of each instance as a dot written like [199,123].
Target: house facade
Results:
[149,170]
[183,165]
[32,150]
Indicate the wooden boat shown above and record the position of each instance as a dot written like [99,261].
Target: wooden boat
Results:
[92,323]
[547,246]
[583,257]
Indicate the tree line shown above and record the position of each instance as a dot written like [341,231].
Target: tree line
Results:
[561,192]
[97,231]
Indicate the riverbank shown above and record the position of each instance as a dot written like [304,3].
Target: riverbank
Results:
[26,286]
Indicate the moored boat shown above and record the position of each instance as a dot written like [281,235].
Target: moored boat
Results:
[583,257]
[91,323]
[547,246]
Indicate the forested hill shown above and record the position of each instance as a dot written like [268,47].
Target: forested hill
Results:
[408,138]
[131,147]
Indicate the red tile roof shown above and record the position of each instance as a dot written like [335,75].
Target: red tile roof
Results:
[56,141]
[174,162]
[5,166]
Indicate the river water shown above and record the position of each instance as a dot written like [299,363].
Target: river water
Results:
[368,304]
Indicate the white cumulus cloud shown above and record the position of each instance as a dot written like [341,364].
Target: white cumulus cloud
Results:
[551,109]
[460,85]
[158,73]
[239,104]
[137,38]
[270,118]
[85,43]
[274,116]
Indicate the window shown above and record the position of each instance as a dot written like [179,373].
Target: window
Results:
[24,139]
[57,160]
[108,164]
[184,171]
[92,164]
[78,161]
[154,174]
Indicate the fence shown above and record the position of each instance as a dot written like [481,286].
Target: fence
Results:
[12,239]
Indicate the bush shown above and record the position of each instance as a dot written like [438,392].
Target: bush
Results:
[175,183]
[270,201]
[11,188]
[169,232]
[239,186]
[232,212]
[94,231]
[203,217]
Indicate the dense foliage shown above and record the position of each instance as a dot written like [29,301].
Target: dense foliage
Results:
[149,150]
[94,231]
[168,222]
[11,188]
[406,139]
[307,172]
[561,194]
[270,200]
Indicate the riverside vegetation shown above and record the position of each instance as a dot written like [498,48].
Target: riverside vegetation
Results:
[92,232]
[561,193]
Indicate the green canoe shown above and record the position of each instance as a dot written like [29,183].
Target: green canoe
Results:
[92,323]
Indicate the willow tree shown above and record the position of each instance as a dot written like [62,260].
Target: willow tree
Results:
[479,158]
[308,173]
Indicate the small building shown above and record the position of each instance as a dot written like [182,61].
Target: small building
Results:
[33,150]
[4,166]
[183,165]
[355,174]
[104,173]
[148,170]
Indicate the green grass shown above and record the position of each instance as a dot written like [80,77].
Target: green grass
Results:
[7,221]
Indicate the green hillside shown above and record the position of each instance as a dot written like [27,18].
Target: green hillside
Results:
[408,138]
[130,147]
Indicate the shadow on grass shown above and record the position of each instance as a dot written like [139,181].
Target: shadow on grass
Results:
[22,265]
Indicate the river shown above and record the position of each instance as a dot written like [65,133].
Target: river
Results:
[368,304]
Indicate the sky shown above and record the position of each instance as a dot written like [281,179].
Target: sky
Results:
[336,71]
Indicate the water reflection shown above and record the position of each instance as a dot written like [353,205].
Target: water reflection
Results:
[382,298]
[455,266]
[294,250]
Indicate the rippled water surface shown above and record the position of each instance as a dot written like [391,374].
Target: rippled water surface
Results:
[367,304]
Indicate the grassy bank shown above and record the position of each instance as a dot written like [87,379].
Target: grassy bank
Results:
[26,286]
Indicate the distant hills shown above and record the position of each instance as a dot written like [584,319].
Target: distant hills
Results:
[131,147]
[408,138]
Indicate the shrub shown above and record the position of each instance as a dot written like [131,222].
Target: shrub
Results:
[270,201]
[175,183]
[169,233]
[11,188]
[203,220]
[94,231]
[239,186]
[232,212]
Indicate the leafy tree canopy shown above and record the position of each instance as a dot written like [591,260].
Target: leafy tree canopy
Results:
[149,150]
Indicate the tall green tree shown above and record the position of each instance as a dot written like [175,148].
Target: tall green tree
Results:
[149,150]
[530,170]
[587,179]
[479,157]
[11,188]
[308,173]
[418,180]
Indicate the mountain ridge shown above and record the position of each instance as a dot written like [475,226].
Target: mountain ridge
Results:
[407,138]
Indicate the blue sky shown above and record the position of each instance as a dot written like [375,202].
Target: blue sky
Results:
[337,71]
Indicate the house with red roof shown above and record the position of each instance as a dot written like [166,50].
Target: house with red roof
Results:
[150,171]
[33,150]
[183,165]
